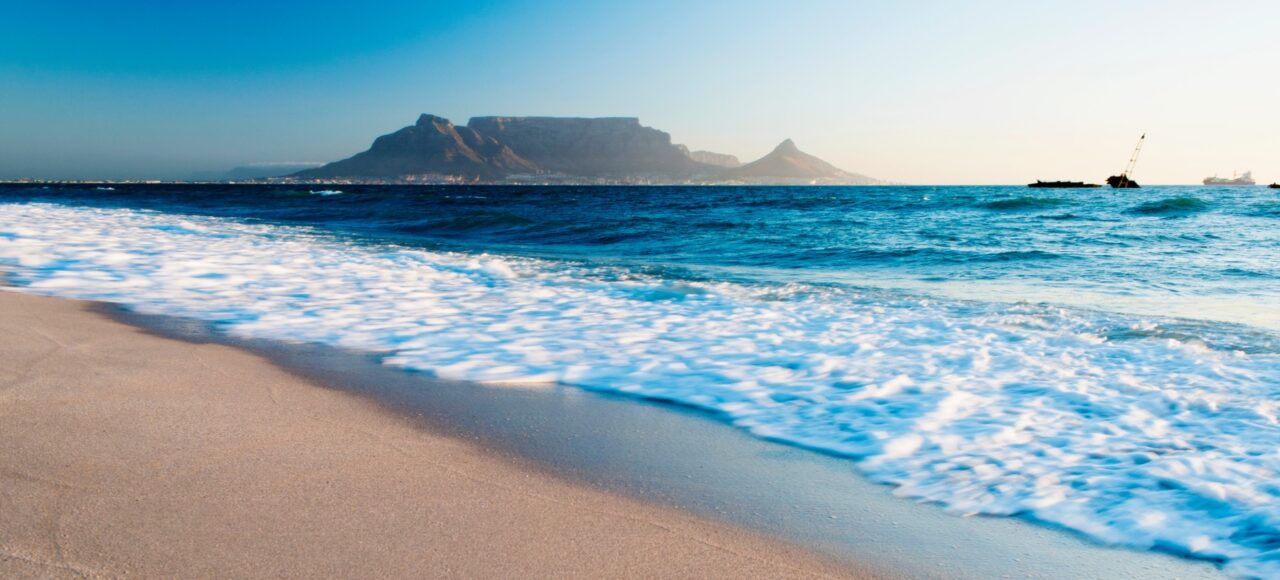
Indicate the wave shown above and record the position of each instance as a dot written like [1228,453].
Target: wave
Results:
[1147,436]
[920,255]
[1172,206]
[1221,337]
[1018,255]
[502,226]
[465,223]
[720,225]
[1024,203]
[1246,273]
[326,192]
[1267,209]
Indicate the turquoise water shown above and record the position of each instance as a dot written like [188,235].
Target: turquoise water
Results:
[1197,252]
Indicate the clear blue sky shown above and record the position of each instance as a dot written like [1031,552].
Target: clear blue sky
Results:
[912,91]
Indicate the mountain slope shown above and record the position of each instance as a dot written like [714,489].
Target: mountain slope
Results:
[433,145]
[717,159]
[788,164]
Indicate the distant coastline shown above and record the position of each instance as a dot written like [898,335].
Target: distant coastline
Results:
[440,180]
[448,181]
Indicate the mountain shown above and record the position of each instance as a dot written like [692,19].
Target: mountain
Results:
[489,148]
[716,159]
[563,149]
[787,164]
[603,147]
[433,145]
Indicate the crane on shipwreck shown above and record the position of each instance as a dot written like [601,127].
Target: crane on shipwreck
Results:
[1125,179]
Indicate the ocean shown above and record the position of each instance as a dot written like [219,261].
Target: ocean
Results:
[1098,360]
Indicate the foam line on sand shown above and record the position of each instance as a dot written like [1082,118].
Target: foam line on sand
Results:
[129,454]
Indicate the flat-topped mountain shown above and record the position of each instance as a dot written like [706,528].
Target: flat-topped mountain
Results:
[603,147]
[567,149]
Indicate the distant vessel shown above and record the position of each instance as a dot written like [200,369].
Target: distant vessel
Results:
[1274,186]
[1246,179]
[1125,179]
[1062,184]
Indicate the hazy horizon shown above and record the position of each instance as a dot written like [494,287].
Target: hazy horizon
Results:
[915,92]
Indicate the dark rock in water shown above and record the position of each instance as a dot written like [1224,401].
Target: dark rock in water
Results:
[1274,186]
[1122,182]
[1062,184]
[787,164]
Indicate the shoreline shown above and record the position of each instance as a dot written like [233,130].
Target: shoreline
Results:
[673,457]
[129,454]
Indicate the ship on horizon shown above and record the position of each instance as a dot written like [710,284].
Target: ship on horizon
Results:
[1122,181]
[1246,179]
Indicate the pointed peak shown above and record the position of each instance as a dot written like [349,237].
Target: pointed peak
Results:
[428,119]
[787,146]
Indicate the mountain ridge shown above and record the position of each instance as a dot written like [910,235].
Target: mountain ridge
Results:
[788,164]
[567,150]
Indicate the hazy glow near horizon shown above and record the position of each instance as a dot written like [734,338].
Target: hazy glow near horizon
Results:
[919,92]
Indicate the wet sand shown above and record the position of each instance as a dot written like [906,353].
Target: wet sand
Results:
[131,454]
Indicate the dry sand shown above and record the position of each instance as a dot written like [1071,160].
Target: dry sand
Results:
[127,454]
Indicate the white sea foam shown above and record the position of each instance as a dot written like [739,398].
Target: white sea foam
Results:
[326,191]
[1145,441]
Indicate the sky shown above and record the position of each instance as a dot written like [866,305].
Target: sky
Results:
[931,92]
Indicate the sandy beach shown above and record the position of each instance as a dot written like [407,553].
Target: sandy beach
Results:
[128,454]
